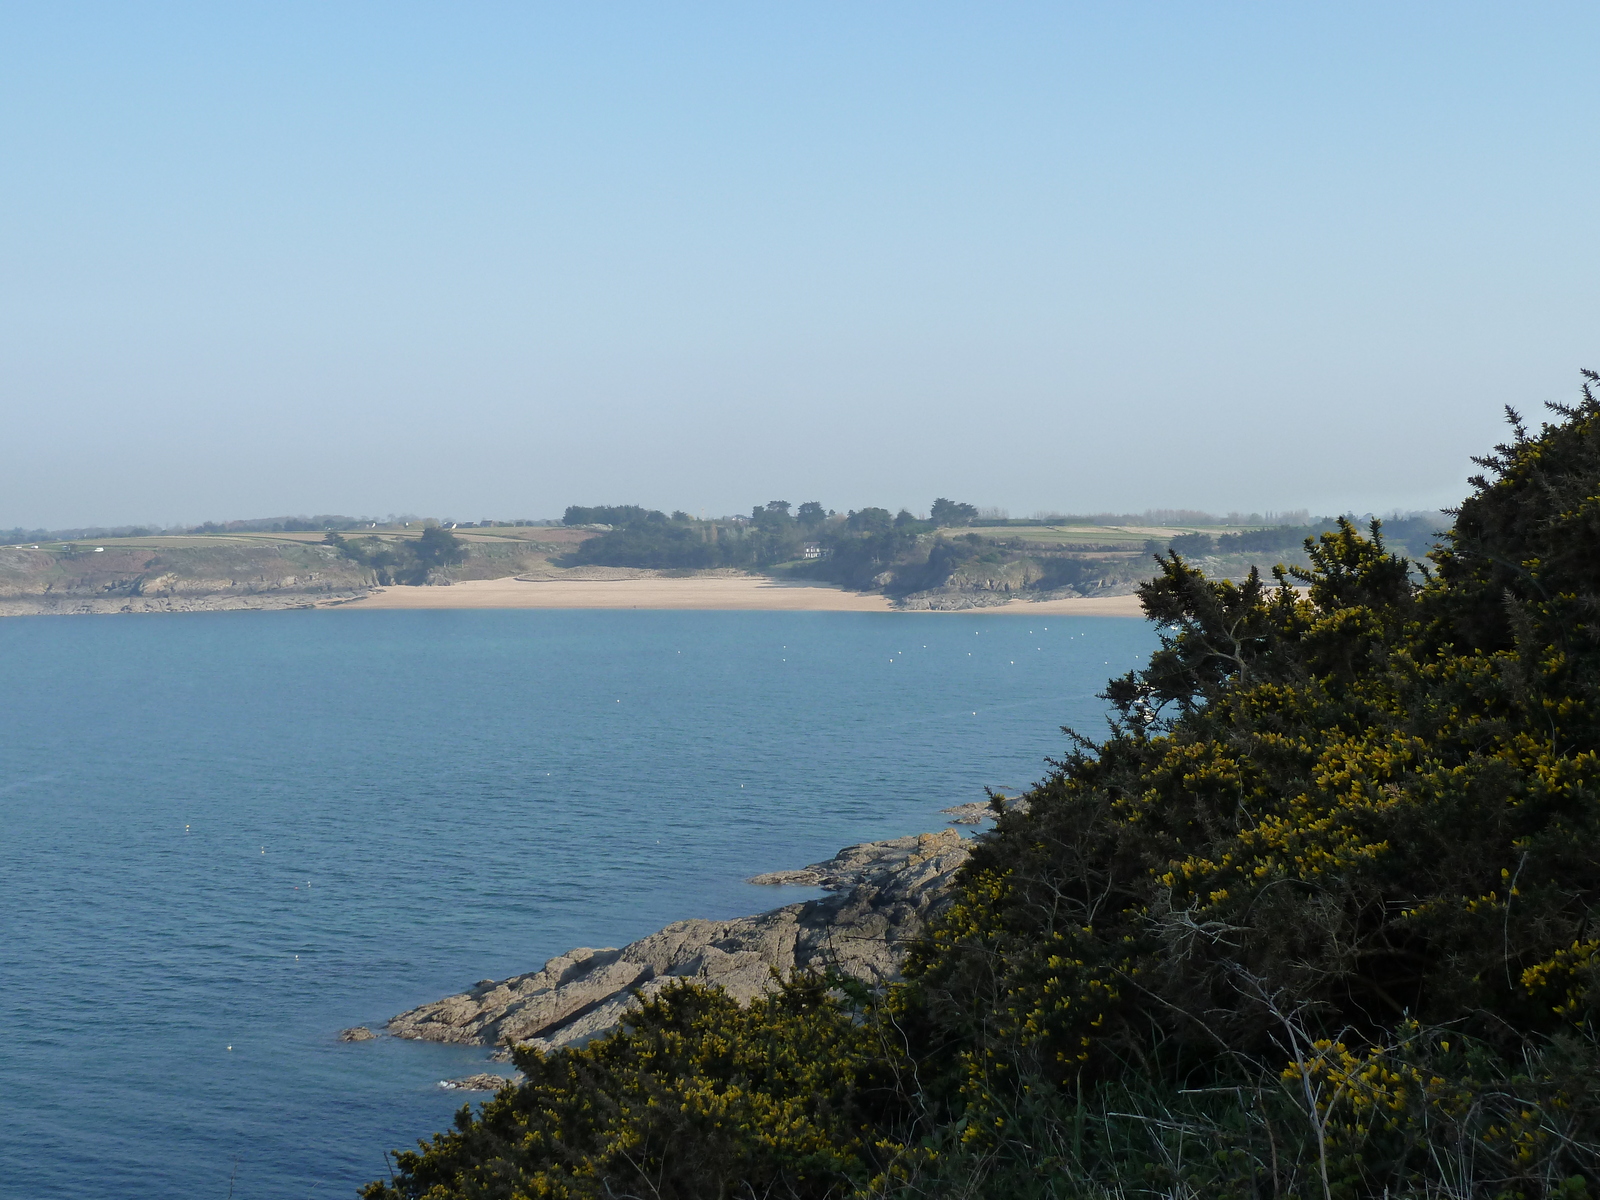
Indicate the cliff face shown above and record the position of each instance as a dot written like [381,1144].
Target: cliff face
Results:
[884,892]
[179,578]
[200,573]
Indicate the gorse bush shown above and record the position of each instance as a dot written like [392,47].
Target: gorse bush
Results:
[699,1097]
[1315,919]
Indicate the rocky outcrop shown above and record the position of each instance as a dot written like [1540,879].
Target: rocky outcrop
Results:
[978,585]
[67,605]
[883,894]
[485,1082]
[173,575]
[214,573]
[939,600]
[978,811]
[356,1033]
[868,862]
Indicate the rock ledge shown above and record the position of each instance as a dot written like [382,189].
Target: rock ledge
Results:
[884,892]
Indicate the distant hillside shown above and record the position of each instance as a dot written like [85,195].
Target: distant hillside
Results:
[963,559]
[321,523]
[175,573]
[969,560]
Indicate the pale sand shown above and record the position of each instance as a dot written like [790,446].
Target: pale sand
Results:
[706,592]
[1084,606]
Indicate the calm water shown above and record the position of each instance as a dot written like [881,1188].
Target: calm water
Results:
[224,837]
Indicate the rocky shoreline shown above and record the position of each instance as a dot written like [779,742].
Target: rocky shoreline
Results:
[883,894]
[484,1082]
[68,605]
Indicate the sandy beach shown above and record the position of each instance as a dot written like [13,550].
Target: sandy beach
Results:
[726,592]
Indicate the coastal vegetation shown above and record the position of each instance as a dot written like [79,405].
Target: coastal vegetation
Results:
[409,561]
[948,559]
[263,568]
[1317,918]
[259,525]
[958,556]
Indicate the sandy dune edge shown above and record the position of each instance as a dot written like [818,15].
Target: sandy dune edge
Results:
[714,592]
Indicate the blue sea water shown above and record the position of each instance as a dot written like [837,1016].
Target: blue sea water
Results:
[224,837]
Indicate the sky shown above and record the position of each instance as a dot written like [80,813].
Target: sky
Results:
[482,260]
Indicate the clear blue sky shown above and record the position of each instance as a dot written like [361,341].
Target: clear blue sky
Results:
[479,260]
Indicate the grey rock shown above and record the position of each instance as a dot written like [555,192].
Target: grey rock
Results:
[947,601]
[72,605]
[485,1082]
[884,892]
[979,811]
[358,1033]
[856,864]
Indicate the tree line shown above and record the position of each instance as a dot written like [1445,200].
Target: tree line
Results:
[1417,534]
[872,548]
[849,547]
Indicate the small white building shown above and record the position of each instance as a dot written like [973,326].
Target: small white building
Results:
[811,550]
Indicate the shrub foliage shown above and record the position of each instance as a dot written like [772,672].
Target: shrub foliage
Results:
[1316,918]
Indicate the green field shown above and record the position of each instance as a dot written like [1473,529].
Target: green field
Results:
[1129,537]
[546,535]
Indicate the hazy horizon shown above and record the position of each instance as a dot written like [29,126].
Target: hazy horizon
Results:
[497,259]
[1160,517]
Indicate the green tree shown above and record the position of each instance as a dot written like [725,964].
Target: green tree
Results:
[949,512]
[774,516]
[610,514]
[869,520]
[659,547]
[439,548]
[1192,545]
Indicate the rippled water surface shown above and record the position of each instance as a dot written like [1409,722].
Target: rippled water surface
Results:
[224,837]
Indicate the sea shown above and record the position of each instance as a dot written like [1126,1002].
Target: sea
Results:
[224,837]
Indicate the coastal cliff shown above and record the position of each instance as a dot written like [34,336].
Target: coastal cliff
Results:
[884,892]
[126,578]
[210,573]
